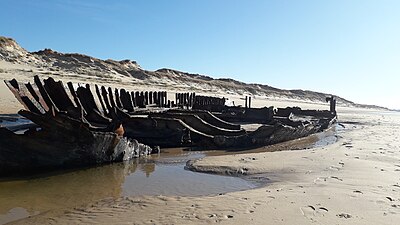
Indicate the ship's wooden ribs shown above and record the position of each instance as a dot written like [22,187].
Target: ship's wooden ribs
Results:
[165,98]
[137,99]
[93,116]
[100,99]
[146,98]
[110,96]
[22,98]
[142,103]
[86,98]
[155,96]
[117,98]
[33,93]
[57,94]
[133,99]
[140,100]
[37,96]
[105,98]
[126,100]
[150,97]
[184,100]
[14,88]
[75,97]
[159,99]
[44,94]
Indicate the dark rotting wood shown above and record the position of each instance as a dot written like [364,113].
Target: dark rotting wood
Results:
[155,97]
[14,84]
[31,107]
[159,99]
[104,93]
[249,102]
[126,101]
[133,99]
[142,100]
[150,97]
[14,88]
[129,96]
[141,103]
[332,104]
[137,98]
[86,98]
[165,102]
[74,96]
[37,96]
[117,98]
[57,94]
[146,98]
[110,96]
[32,91]
[100,99]
[44,93]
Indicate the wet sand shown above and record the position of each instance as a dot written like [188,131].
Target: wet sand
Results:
[352,181]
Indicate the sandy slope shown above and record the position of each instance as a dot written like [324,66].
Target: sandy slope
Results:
[25,73]
[354,181]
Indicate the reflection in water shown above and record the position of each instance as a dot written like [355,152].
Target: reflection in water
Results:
[64,190]
[56,192]
[148,168]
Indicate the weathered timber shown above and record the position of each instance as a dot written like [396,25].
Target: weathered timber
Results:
[61,142]
[104,94]
[164,132]
[57,94]
[65,134]
[103,107]
[117,98]
[209,118]
[200,125]
[43,93]
[250,115]
[126,100]
[125,113]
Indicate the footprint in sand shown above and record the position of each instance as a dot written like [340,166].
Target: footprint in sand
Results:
[390,199]
[334,168]
[311,212]
[344,215]
[336,178]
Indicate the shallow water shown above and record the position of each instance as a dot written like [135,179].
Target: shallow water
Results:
[162,174]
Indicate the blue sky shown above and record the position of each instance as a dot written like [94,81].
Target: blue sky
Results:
[346,47]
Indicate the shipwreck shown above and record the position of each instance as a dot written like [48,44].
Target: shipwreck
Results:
[80,124]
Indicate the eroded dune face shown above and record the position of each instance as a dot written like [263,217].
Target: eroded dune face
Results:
[125,73]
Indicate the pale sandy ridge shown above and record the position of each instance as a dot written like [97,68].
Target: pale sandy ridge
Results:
[354,181]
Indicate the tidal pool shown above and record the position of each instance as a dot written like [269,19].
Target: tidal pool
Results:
[162,174]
